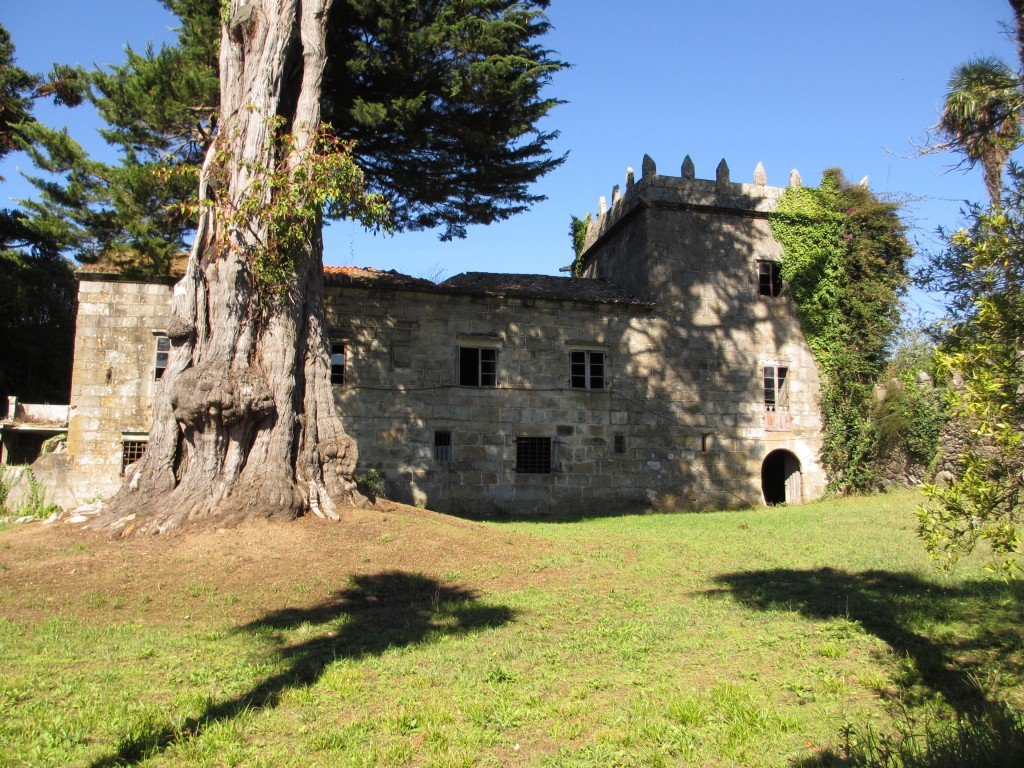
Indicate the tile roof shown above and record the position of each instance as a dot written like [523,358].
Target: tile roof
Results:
[549,287]
[482,284]
[368,277]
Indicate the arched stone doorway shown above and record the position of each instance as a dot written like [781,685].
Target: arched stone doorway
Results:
[780,478]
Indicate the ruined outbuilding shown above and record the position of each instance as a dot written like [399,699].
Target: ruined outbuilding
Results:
[673,374]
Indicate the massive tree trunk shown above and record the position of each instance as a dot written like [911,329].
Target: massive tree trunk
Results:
[244,424]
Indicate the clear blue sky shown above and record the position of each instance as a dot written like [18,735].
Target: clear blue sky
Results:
[799,84]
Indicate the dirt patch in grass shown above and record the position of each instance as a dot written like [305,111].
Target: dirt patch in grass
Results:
[244,572]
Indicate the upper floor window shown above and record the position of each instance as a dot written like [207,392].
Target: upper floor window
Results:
[338,358]
[769,278]
[776,388]
[586,369]
[163,351]
[478,366]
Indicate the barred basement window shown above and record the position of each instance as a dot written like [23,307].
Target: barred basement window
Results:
[478,367]
[163,351]
[533,455]
[620,444]
[338,359]
[586,369]
[776,388]
[769,278]
[442,446]
[131,452]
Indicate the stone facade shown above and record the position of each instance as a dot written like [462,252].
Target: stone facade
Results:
[665,406]
[113,377]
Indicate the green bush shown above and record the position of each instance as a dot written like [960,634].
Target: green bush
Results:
[993,739]
[910,416]
[371,483]
[5,487]
[34,503]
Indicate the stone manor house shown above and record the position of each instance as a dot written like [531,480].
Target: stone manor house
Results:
[671,375]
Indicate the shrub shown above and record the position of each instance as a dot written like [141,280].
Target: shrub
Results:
[992,739]
[371,483]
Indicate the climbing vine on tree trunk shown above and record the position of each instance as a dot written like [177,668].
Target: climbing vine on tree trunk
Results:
[244,423]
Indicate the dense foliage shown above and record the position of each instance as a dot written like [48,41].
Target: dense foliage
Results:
[439,103]
[578,235]
[910,414]
[844,263]
[37,287]
[985,352]
[981,273]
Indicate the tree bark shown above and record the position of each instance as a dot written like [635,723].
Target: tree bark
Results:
[244,424]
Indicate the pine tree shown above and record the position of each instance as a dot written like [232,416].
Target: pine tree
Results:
[37,287]
[441,99]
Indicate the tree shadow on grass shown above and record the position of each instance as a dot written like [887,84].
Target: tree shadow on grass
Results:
[903,610]
[376,613]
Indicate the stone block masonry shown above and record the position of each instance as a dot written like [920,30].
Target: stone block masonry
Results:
[664,378]
[114,375]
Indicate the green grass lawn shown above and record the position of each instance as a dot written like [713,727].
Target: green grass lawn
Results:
[736,638]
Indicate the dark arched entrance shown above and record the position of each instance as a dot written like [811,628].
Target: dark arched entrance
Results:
[780,478]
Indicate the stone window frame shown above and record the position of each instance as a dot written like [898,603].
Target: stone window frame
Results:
[162,354]
[535,455]
[133,448]
[582,371]
[769,278]
[338,369]
[444,450]
[487,373]
[775,387]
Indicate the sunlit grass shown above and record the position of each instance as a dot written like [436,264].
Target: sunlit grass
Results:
[739,638]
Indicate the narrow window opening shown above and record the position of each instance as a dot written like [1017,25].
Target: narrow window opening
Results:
[586,369]
[533,455]
[776,389]
[478,367]
[620,444]
[338,360]
[706,441]
[163,351]
[131,452]
[442,446]
[769,278]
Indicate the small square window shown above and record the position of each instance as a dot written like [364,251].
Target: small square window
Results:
[776,388]
[163,352]
[620,444]
[131,452]
[338,359]
[478,367]
[769,278]
[533,455]
[586,369]
[442,446]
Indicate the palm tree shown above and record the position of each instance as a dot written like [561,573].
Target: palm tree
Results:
[982,117]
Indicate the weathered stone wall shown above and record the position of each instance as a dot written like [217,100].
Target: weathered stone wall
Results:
[692,247]
[684,363]
[113,376]
[402,385]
